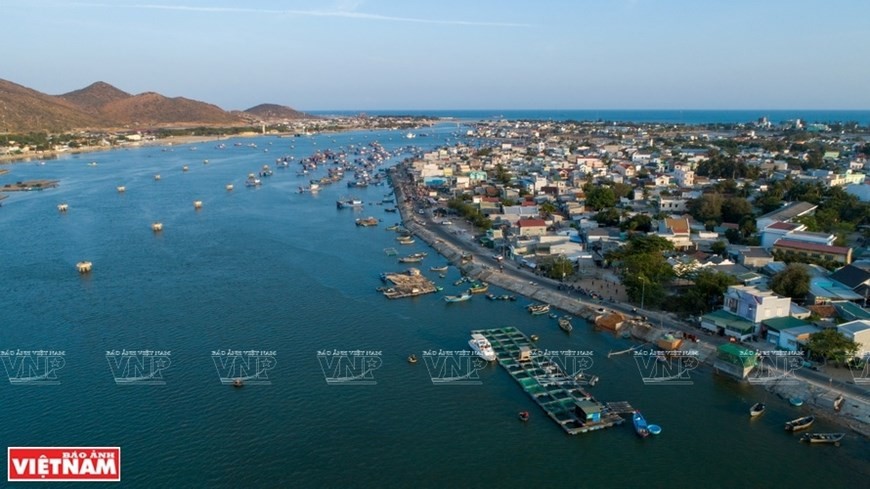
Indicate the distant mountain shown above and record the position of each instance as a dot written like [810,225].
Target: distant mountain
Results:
[102,106]
[25,110]
[95,96]
[274,112]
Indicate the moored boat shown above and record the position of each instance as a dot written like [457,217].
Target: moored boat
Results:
[538,309]
[757,409]
[565,324]
[478,288]
[640,426]
[481,346]
[457,298]
[438,269]
[410,259]
[832,438]
[367,222]
[796,401]
[800,423]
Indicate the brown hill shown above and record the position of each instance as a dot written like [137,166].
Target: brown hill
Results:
[151,108]
[24,110]
[95,96]
[274,112]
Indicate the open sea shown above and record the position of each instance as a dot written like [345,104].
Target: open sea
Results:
[669,116]
[272,270]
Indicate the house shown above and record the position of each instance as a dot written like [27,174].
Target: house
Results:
[776,231]
[850,311]
[859,332]
[771,330]
[677,231]
[753,256]
[532,227]
[824,290]
[735,360]
[755,305]
[797,250]
[856,276]
[673,205]
[792,339]
[728,324]
[785,214]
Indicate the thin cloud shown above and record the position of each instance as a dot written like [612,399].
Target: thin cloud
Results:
[348,14]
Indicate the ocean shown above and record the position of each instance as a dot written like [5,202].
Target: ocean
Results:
[862,117]
[290,277]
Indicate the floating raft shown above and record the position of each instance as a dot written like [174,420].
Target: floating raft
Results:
[558,393]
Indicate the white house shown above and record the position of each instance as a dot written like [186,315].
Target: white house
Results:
[859,332]
[755,305]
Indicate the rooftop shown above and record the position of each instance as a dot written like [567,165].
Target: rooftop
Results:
[804,246]
[790,211]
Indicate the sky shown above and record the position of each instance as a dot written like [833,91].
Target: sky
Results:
[450,54]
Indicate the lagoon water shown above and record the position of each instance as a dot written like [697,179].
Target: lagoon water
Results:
[270,269]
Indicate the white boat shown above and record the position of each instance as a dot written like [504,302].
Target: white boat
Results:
[480,345]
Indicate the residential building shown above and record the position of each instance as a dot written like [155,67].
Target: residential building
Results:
[755,305]
[785,214]
[859,332]
[677,231]
[813,251]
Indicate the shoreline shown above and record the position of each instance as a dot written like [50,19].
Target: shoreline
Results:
[855,415]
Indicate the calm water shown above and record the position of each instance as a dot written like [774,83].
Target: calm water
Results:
[271,269]
[862,117]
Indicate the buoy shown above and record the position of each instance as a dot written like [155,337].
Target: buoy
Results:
[197,204]
[184,168]
[157,177]
[84,266]
[122,189]
[229,187]
[157,227]
[62,207]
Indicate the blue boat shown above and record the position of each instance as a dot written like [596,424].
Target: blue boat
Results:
[640,426]
[655,429]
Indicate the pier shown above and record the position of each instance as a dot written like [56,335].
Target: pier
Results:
[559,394]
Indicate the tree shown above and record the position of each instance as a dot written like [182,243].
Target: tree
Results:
[718,248]
[547,209]
[607,217]
[735,208]
[830,344]
[502,175]
[792,282]
[639,222]
[706,294]
[708,207]
[561,267]
[599,198]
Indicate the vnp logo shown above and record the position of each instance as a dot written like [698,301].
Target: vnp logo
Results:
[575,364]
[250,367]
[32,367]
[449,367]
[64,464]
[139,367]
[776,366]
[666,368]
[349,367]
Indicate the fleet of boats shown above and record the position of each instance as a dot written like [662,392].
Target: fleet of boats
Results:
[481,346]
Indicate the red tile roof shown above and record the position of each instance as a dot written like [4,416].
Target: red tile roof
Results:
[785,226]
[527,223]
[805,246]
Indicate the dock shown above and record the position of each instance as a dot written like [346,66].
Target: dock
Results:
[408,284]
[559,394]
[29,185]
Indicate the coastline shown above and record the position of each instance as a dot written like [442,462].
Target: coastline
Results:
[855,415]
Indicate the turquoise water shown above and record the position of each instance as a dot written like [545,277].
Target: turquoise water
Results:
[271,269]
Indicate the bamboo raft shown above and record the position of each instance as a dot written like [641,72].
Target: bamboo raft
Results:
[555,391]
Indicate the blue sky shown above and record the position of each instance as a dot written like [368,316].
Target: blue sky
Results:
[449,54]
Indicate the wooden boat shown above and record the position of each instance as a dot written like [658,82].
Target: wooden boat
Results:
[367,222]
[832,438]
[238,382]
[412,358]
[565,324]
[407,242]
[410,259]
[524,416]
[757,409]
[479,288]
[457,298]
[800,423]
[838,403]
[438,269]
[539,309]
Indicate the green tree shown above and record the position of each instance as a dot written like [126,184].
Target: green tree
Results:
[547,209]
[598,198]
[792,282]
[641,223]
[735,208]
[718,248]
[830,344]
[607,217]
[705,294]
[706,208]
[560,267]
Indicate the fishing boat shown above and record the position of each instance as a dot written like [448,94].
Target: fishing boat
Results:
[344,203]
[565,324]
[238,382]
[640,426]
[457,298]
[438,269]
[539,309]
[524,416]
[757,409]
[391,209]
[832,438]
[367,222]
[407,242]
[252,181]
[410,259]
[800,423]
[392,227]
[481,346]
[479,288]
[412,358]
